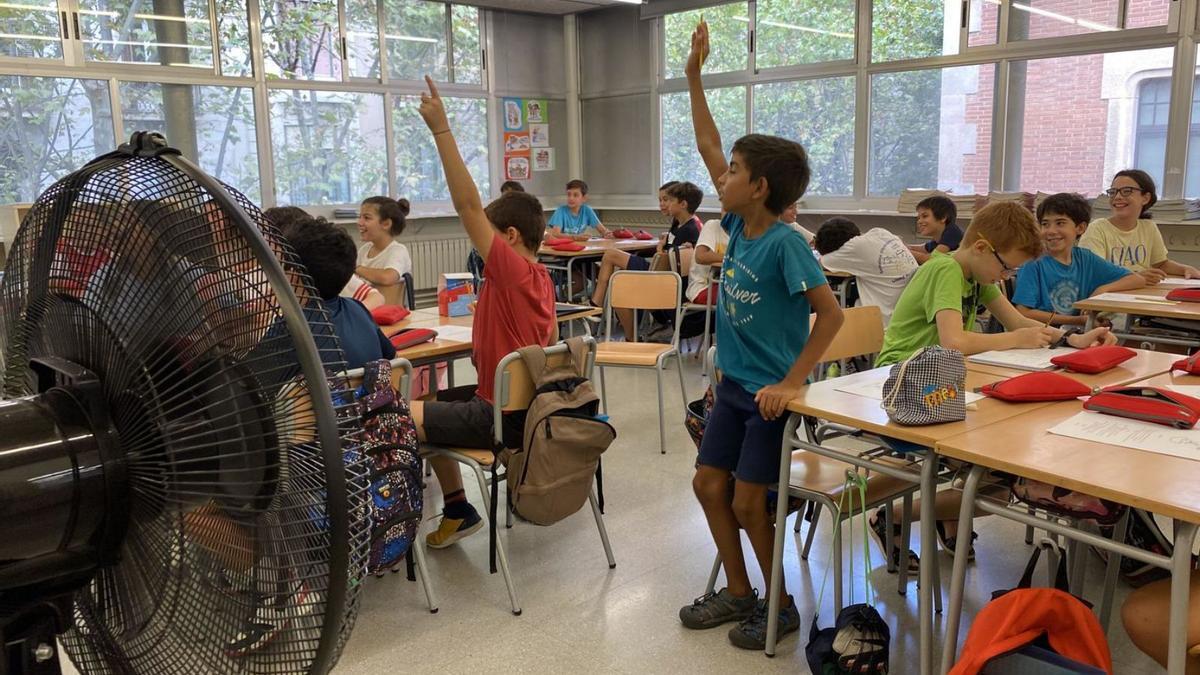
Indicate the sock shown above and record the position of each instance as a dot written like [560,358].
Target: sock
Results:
[457,506]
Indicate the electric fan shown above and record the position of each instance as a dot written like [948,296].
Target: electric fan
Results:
[180,485]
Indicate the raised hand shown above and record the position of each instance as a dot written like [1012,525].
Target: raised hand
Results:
[700,46]
[432,110]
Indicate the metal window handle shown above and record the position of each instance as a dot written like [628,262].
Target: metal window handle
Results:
[75,18]
[66,27]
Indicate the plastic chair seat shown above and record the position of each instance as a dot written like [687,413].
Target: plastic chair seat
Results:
[630,353]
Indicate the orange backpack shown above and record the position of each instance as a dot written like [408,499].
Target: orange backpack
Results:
[1015,618]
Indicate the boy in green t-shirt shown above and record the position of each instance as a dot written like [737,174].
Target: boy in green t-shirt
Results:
[938,308]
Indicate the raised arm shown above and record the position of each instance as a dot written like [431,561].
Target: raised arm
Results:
[708,139]
[463,192]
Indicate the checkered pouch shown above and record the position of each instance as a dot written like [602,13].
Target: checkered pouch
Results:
[928,388]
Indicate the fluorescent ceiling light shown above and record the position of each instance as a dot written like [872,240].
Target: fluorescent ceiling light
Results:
[1060,17]
[163,17]
[38,8]
[147,44]
[411,38]
[629,2]
[96,12]
[789,26]
[22,36]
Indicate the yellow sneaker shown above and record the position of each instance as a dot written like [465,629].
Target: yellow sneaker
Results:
[450,530]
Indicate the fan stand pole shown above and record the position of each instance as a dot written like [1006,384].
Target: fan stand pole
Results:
[29,642]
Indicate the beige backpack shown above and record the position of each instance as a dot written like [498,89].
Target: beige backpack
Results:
[551,476]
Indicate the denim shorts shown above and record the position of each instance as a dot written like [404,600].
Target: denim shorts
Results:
[739,440]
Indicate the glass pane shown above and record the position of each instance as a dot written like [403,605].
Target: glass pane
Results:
[728,30]
[362,38]
[300,39]
[1191,176]
[931,129]
[233,37]
[680,160]
[1098,113]
[213,126]
[1150,151]
[329,146]
[1034,19]
[30,30]
[173,33]
[468,57]
[913,29]
[419,175]
[415,33]
[983,22]
[49,127]
[1146,13]
[820,115]
[811,31]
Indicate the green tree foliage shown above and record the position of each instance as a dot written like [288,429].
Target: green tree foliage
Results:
[680,160]
[418,169]
[905,120]
[820,115]
[816,31]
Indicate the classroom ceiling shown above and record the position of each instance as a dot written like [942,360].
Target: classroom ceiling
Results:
[547,6]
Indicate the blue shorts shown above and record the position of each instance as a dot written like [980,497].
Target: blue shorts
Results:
[638,264]
[739,440]
[903,447]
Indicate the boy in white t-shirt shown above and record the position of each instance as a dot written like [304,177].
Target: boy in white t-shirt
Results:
[879,261]
[710,249]
[382,261]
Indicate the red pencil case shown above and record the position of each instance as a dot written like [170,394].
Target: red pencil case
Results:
[1094,359]
[643,235]
[555,241]
[1185,294]
[1036,387]
[1147,404]
[569,246]
[410,337]
[623,234]
[1190,365]
[386,315]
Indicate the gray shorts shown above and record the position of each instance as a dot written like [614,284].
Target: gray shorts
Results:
[459,418]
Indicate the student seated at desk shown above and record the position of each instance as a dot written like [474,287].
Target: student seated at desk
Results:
[382,261]
[515,309]
[936,217]
[575,217]
[710,250]
[789,218]
[1128,237]
[879,260]
[357,288]
[1049,287]
[662,197]
[682,201]
[938,308]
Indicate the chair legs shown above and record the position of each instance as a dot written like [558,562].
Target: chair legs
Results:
[487,507]
[612,562]
[418,548]
[603,391]
[662,428]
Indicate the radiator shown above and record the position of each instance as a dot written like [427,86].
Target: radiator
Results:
[434,257]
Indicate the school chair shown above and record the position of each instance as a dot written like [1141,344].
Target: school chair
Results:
[642,291]
[514,392]
[709,307]
[402,293]
[402,372]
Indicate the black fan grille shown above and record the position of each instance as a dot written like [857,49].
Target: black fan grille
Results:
[130,268]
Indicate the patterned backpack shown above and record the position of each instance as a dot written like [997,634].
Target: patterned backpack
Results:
[390,443]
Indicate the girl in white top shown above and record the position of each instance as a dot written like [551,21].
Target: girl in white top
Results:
[1128,238]
[382,261]
[710,249]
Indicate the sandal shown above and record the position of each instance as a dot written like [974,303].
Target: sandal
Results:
[949,542]
[877,525]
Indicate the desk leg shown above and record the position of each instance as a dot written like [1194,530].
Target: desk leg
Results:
[781,501]
[928,558]
[449,373]
[958,578]
[1181,581]
[1091,321]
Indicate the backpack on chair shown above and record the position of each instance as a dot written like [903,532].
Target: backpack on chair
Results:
[550,477]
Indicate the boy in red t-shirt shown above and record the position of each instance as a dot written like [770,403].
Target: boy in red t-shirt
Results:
[515,309]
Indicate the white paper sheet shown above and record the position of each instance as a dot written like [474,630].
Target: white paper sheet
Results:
[454,333]
[1130,297]
[874,389]
[1021,359]
[1091,426]
[1176,281]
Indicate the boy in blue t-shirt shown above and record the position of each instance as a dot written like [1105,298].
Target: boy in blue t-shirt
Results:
[575,217]
[771,284]
[1048,287]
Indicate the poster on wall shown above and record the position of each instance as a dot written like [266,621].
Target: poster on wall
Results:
[516,143]
[514,118]
[516,168]
[537,111]
[543,159]
[539,135]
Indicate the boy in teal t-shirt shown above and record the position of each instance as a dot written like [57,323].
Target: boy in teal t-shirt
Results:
[575,217]
[771,284]
[938,308]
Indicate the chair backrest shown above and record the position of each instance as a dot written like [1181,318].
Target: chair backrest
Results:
[402,371]
[644,290]
[395,294]
[514,385]
[861,334]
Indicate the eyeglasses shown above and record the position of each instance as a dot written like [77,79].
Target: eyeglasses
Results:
[1006,271]
[1123,191]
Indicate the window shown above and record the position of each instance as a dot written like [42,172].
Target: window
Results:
[913,29]
[233,37]
[812,31]
[416,33]
[931,129]
[362,38]
[1074,138]
[680,160]
[30,29]
[299,39]
[49,127]
[1033,19]
[127,31]
[419,175]
[329,146]
[820,115]
[213,126]
[983,22]
[1150,144]
[729,33]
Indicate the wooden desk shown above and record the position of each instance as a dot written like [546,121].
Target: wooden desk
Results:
[1145,364]
[593,248]
[1187,311]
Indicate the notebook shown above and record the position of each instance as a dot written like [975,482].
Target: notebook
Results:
[1022,359]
